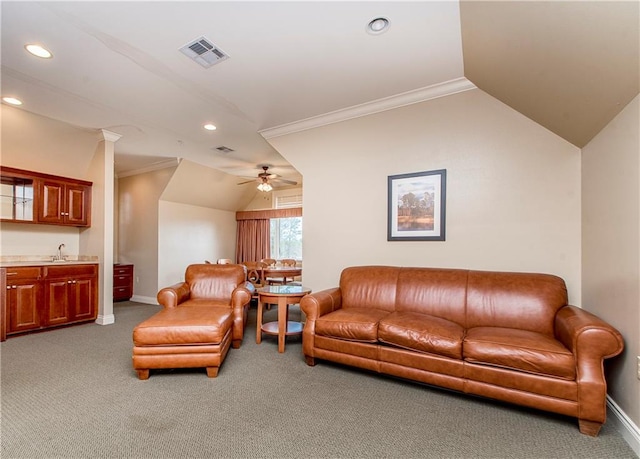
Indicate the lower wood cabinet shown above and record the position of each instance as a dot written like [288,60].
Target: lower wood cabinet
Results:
[40,297]
[122,282]
[23,299]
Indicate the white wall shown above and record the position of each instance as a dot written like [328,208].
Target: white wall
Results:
[37,240]
[138,198]
[611,244]
[191,234]
[41,144]
[513,191]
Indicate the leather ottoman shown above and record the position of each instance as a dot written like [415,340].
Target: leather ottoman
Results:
[191,336]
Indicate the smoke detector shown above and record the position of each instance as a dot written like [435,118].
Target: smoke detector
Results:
[204,52]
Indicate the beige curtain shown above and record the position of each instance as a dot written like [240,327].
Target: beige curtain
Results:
[253,240]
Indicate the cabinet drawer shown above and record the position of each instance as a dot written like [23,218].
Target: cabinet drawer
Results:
[120,270]
[28,272]
[122,293]
[70,270]
[122,281]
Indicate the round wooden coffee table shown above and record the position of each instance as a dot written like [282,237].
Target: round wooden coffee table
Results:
[283,296]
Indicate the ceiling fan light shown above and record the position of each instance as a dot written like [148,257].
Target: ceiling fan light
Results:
[265,187]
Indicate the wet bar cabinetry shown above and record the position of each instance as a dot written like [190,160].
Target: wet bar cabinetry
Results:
[41,297]
[122,282]
[34,197]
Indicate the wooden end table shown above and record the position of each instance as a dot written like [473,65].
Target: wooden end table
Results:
[283,296]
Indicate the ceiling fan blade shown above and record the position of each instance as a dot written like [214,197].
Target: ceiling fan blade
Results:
[248,181]
[288,182]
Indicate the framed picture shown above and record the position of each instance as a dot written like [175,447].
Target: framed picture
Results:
[417,206]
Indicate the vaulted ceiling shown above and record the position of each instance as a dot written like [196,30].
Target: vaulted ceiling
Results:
[570,66]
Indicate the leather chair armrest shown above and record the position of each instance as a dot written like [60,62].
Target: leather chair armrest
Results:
[320,303]
[240,299]
[171,297]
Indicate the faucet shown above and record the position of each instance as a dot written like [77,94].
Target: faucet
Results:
[59,254]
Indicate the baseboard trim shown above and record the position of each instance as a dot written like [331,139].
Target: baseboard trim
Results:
[630,432]
[107,319]
[144,299]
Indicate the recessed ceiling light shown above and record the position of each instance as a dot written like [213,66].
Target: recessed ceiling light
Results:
[209,127]
[39,51]
[12,100]
[377,26]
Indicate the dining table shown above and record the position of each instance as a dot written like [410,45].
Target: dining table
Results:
[284,272]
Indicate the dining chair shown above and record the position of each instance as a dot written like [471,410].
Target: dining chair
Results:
[288,262]
[255,272]
[270,280]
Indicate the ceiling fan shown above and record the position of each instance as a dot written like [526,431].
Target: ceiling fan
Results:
[265,180]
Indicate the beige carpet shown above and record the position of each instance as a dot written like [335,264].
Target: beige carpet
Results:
[73,393]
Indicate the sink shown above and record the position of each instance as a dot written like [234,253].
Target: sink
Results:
[60,261]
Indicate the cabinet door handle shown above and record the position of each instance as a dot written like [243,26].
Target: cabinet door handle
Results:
[68,282]
[14,286]
[8,287]
[12,274]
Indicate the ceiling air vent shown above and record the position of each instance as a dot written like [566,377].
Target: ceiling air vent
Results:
[203,52]
[224,149]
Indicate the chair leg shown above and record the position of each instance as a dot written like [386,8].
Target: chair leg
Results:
[212,372]
[143,374]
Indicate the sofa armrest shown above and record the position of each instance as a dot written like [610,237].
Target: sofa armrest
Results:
[320,303]
[171,297]
[314,306]
[586,335]
[591,340]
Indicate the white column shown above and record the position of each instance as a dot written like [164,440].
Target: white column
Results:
[98,239]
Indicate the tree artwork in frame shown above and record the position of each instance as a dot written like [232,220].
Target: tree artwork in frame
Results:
[417,206]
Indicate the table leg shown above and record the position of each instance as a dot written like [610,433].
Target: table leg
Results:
[259,323]
[282,322]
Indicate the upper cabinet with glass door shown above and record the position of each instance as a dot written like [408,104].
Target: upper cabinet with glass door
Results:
[16,197]
[33,197]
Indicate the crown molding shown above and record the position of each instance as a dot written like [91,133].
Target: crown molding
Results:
[151,167]
[388,103]
[108,135]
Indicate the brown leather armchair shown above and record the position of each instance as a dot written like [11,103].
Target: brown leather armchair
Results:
[202,317]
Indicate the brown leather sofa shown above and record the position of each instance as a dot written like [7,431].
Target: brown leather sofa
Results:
[202,317]
[506,336]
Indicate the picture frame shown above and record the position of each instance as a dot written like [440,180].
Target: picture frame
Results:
[417,206]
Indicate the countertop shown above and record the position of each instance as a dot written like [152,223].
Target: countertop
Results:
[6,262]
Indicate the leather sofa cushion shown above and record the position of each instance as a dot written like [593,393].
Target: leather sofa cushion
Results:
[194,324]
[527,301]
[433,291]
[520,350]
[423,333]
[356,324]
[369,287]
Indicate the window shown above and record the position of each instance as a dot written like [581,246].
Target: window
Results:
[286,233]
[286,238]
